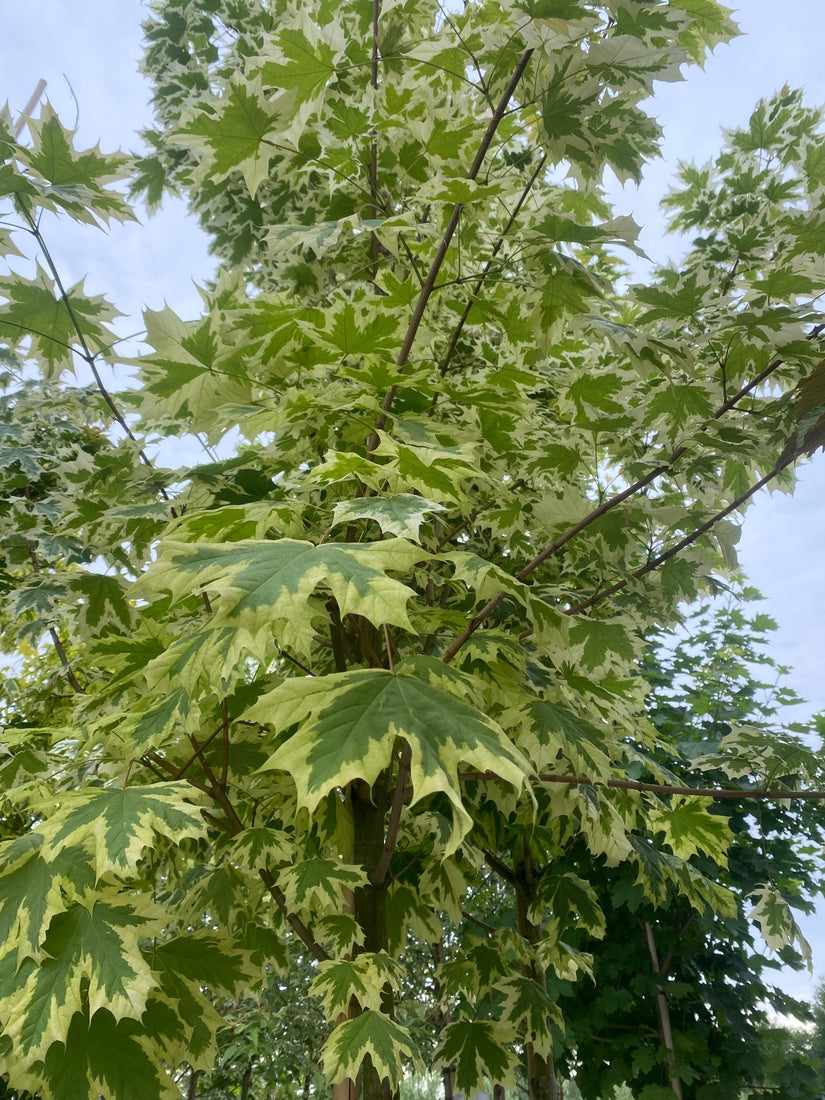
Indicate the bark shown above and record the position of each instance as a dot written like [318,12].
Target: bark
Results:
[663,1009]
[246,1083]
[369,812]
[541,1075]
[192,1091]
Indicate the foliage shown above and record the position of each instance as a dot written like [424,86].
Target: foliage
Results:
[311,688]
[713,676]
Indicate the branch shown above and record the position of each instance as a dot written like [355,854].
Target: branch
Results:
[654,563]
[73,681]
[499,866]
[86,353]
[763,794]
[225,748]
[297,925]
[619,498]
[485,271]
[443,247]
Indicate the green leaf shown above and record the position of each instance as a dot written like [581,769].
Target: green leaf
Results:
[34,308]
[236,132]
[348,724]
[318,884]
[261,582]
[689,829]
[400,514]
[103,1056]
[303,64]
[480,1049]
[117,824]
[91,957]
[388,1045]
[365,977]
[32,890]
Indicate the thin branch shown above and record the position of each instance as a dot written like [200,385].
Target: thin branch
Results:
[444,245]
[225,747]
[677,548]
[297,925]
[619,498]
[762,794]
[374,246]
[170,769]
[30,106]
[87,355]
[481,924]
[295,661]
[379,875]
[72,680]
[499,866]
[485,271]
[388,643]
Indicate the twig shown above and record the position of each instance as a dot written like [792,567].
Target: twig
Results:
[30,106]
[654,563]
[295,922]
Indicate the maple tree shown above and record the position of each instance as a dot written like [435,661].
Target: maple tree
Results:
[380,651]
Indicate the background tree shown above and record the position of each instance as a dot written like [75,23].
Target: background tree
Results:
[385,642]
[686,974]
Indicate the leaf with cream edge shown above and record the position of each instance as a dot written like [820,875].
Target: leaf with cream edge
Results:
[260,582]
[420,329]
[116,825]
[348,724]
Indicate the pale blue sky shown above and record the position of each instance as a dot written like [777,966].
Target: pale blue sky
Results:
[97,45]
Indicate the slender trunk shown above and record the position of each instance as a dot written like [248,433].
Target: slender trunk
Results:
[246,1083]
[499,1092]
[369,811]
[663,1010]
[192,1091]
[448,1077]
[541,1076]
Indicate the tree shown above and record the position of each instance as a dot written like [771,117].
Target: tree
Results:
[678,971]
[385,641]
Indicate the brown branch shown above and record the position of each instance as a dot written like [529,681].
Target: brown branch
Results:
[499,866]
[295,660]
[170,769]
[763,794]
[295,922]
[452,224]
[225,746]
[73,681]
[481,924]
[682,544]
[485,271]
[619,498]
[379,874]
[663,1010]
[374,248]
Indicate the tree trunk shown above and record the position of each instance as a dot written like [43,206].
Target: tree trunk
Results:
[448,1077]
[369,815]
[663,1010]
[192,1091]
[246,1083]
[541,1075]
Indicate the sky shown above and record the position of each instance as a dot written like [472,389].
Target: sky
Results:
[88,51]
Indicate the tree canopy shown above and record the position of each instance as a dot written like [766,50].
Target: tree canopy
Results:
[380,650]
